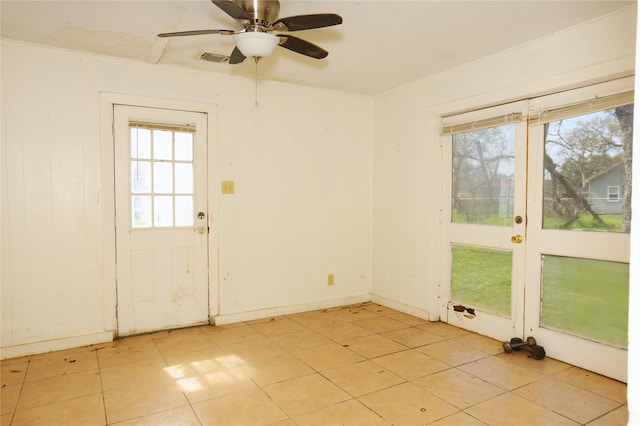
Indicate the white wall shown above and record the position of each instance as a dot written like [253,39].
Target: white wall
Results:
[301,163]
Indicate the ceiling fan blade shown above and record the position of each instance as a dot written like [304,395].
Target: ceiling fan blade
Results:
[236,56]
[303,47]
[196,32]
[307,22]
[232,9]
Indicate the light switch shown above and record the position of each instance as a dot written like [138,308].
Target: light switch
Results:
[228,187]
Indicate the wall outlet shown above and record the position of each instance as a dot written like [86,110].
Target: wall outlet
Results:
[330,279]
[228,187]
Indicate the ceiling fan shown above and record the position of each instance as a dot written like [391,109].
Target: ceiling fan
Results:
[258,19]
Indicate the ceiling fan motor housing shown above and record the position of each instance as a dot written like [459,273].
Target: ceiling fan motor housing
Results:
[263,12]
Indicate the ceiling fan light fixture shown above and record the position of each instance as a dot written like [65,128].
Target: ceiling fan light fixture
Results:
[257,44]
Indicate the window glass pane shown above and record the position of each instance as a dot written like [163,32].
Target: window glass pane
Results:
[141,211]
[184,210]
[184,178]
[163,210]
[162,178]
[162,145]
[481,277]
[140,176]
[585,157]
[585,297]
[167,170]
[140,143]
[184,146]
[483,174]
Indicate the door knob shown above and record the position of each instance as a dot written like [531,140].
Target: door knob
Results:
[517,239]
[201,215]
[201,229]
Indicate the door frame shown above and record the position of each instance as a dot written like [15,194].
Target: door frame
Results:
[106,193]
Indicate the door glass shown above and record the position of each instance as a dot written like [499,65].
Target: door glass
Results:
[587,169]
[481,277]
[184,210]
[162,144]
[184,146]
[184,178]
[140,143]
[585,297]
[483,174]
[162,177]
[163,211]
[140,177]
[141,211]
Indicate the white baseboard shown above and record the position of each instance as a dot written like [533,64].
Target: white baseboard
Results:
[55,345]
[108,336]
[286,310]
[402,307]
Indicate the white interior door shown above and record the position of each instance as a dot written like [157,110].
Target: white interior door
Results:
[161,218]
[556,266]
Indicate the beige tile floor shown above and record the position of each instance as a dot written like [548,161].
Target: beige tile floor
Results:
[354,365]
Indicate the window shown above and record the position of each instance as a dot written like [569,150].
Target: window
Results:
[586,147]
[161,175]
[483,176]
[613,193]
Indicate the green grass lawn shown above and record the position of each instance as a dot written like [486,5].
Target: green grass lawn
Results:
[585,297]
[482,278]
[612,222]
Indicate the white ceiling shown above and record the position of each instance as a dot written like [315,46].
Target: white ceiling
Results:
[380,45]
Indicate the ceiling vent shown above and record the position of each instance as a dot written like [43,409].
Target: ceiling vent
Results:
[214,57]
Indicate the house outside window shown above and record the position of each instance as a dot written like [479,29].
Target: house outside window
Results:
[613,193]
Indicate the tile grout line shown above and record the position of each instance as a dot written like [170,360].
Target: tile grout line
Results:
[162,354]
[104,405]
[24,380]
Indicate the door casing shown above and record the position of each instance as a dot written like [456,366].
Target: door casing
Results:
[106,191]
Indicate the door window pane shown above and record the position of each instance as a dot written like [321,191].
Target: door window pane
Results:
[140,176]
[162,144]
[184,210]
[585,297]
[483,176]
[587,169]
[184,178]
[481,277]
[162,178]
[163,210]
[184,146]
[140,143]
[167,170]
[141,211]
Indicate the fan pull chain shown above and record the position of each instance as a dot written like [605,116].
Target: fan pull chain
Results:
[256,94]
